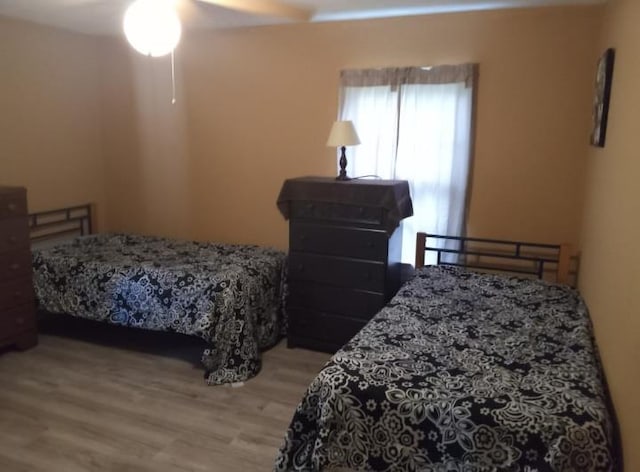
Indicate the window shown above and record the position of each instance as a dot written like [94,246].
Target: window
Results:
[415,124]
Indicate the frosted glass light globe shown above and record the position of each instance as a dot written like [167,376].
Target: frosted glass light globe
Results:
[152,27]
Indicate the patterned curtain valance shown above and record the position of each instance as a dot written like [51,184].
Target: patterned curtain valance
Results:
[395,76]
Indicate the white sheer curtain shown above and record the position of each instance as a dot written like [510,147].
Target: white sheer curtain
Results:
[415,124]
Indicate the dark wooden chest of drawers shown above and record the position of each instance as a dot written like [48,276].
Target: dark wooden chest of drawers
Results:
[344,255]
[17,305]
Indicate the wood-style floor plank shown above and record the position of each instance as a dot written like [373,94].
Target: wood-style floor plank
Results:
[79,402]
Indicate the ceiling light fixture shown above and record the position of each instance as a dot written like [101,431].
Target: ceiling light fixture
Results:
[152,27]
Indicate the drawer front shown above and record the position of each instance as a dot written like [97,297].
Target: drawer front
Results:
[359,243]
[336,212]
[334,330]
[17,320]
[14,234]
[342,272]
[15,265]
[16,293]
[356,304]
[13,204]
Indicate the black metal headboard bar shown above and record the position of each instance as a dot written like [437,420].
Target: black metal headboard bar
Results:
[528,258]
[64,222]
[504,255]
[465,239]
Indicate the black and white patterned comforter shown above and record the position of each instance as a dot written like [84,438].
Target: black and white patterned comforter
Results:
[229,295]
[460,372]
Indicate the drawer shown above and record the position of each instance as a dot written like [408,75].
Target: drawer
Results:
[357,304]
[17,320]
[13,203]
[331,329]
[339,271]
[336,212]
[15,264]
[16,292]
[14,234]
[359,243]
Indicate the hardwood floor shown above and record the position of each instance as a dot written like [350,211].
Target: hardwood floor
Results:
[137,402]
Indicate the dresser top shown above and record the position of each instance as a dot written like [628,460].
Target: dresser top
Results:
[332,181]
[7,190]
[391,195]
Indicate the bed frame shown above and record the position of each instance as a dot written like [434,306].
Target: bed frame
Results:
[64,223]
[494,255]
[250,275]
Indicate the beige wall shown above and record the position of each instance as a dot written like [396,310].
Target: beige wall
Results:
[50,117]
[255,107]
[147,165]
[610,273]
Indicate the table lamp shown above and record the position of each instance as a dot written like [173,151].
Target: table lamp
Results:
[343,134]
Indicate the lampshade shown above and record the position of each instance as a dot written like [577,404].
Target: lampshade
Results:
[343,133]
[152,27]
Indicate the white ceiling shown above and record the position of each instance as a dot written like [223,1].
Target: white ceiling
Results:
[104,17]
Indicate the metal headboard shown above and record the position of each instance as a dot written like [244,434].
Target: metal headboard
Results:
[60,224]
[495,255]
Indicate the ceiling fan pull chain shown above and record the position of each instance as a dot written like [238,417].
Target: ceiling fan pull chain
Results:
[173,77]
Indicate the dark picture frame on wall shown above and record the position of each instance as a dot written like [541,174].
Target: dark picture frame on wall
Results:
[600,113]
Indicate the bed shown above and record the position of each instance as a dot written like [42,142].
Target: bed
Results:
[228,295]
[462,371]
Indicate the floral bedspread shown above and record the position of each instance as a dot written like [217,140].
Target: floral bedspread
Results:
[229,295]
[460,372]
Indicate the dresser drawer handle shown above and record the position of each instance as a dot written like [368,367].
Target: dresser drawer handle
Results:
[14,266]
[370,244]
[12,207]
[17,294]
[367,275]
[13,239]
[20,321]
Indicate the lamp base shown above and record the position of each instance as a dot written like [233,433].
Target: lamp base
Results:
[343,166]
